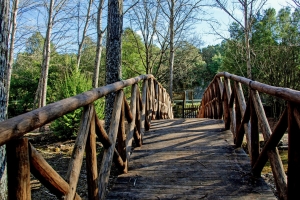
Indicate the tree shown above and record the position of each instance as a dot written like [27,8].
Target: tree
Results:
[100,34]
[13,25]
[4,6]
[180,16]
[249,8]
[132,54]
[86,23]
[113,52]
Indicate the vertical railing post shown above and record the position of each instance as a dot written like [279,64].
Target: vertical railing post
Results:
[143,113]
[91,161]
[293,153]
[18,169]
[254,133]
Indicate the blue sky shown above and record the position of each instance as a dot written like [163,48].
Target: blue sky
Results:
[208,36]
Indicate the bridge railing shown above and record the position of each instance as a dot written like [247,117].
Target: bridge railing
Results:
[22,158]
[224,99]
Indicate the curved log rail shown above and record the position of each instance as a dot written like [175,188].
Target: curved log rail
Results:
[224,98]
[23,158]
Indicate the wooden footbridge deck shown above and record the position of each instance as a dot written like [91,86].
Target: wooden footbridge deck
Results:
[189,159]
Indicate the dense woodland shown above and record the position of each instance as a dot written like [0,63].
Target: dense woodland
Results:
[56,47]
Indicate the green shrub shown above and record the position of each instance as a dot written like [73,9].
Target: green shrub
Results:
[73,84]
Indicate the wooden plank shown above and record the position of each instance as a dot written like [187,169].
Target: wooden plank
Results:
[274,157]
[17,126]
[293,153]
[191,157]
[91,161]
[78,151]
[47,175]
[108,153]
[18,169]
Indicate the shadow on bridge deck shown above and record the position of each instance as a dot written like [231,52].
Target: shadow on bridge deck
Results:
[189,159]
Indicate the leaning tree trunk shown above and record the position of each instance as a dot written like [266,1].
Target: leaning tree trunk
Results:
[46,58]
[12,45]
[4,6]
[100,34]
[171,61]
[113,52]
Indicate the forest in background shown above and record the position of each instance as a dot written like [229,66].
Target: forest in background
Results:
[58,49]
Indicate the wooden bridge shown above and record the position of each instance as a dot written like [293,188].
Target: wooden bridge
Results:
[196,158]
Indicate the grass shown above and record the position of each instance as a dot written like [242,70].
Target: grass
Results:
[284,159]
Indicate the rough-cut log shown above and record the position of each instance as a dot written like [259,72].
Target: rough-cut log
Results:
[128,113]
[17,126]
[274,157]
[241,131]
[284,93]
[143,108]
[246,124]
[134,102]
[294,154]
[137,128]
[91,162]
[221,86]
[276,136]
[238,115]
[121,139]
[226,111]
[297,116]
[254,133]
[231,110]
[119,161]
[47,175]
[101,133]
[18,169]
[108,153]
[78,151]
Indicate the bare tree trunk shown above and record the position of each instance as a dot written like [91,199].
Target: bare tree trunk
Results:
[4,29]
[12,45]
[100,34]
[46,57]
[247,38]
[113,52]
[171,62]
[84,33]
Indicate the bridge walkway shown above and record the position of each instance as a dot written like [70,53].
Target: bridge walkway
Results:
[189,159]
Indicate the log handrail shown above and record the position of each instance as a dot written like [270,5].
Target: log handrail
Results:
[221,101]
[152,103]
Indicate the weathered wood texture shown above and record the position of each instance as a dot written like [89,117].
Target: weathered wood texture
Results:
[17,126]
[189,159]
[18,169]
